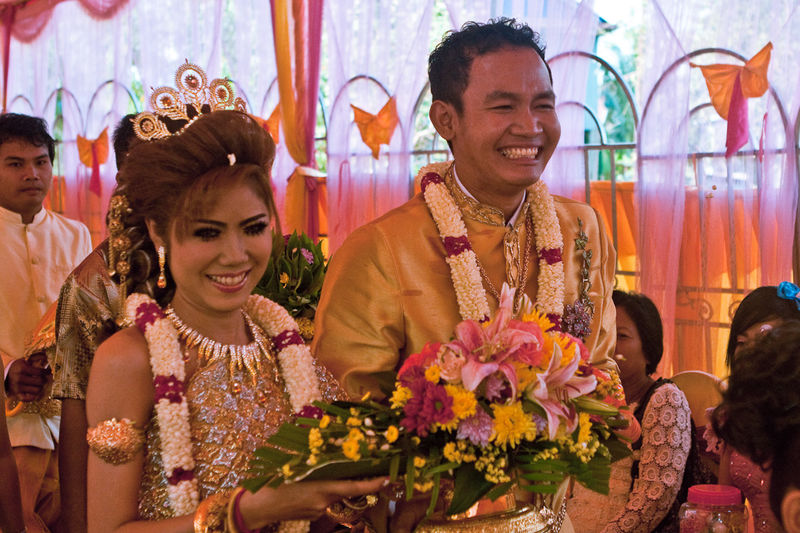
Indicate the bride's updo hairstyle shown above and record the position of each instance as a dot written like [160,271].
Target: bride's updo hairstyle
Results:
[173,180]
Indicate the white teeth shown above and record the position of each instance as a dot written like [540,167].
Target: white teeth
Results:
[518,153]
[228,280]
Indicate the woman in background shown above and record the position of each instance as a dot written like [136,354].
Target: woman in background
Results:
[760,415]
[661,453]
[760,311]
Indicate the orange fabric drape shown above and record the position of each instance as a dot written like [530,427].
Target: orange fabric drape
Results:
[297,34]
[709,254]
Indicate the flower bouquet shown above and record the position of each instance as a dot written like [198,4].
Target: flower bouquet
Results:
[294,278]
[509,402]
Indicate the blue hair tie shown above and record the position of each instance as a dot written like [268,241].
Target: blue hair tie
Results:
[789,291]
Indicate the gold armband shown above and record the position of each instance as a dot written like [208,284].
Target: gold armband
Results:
[212,513]
[115,442]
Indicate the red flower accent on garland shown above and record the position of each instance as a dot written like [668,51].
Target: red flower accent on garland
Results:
[428,179]
[550,255]
[456,245]
[286,338]
[146,314]
[311,411]
[168,387]
[179,474]
[556,320]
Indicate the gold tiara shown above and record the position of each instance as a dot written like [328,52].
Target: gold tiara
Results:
[175,109]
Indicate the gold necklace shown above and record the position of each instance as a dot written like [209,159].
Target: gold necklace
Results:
[210,351]
[523,282]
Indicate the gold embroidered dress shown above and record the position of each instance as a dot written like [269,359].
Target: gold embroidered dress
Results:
[229,418]
[388,289]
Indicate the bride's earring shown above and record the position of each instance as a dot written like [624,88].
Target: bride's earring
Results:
[162,261]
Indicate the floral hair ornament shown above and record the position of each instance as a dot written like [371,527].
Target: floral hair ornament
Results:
[789,291]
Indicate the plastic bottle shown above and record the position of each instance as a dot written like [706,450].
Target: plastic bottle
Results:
[713,509]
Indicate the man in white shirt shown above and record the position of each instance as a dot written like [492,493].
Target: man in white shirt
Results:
[40,250]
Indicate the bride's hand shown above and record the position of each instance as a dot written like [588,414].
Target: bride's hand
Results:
[305,500]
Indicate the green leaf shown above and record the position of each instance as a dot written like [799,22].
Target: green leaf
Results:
[409,476]
[594,407]
[470,486]
[499,490]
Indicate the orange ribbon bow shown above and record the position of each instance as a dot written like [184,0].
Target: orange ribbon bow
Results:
[376,129]
[93,154]
[730,85]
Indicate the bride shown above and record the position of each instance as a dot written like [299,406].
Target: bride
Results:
[178,402]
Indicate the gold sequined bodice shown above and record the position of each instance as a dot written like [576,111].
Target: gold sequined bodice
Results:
[229,418]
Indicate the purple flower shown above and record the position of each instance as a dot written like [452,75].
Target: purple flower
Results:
[477,428]
[577,320]
[308,256]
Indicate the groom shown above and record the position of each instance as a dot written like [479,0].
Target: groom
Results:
[410,276]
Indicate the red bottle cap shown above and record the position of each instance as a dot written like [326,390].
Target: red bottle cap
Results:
[715,495]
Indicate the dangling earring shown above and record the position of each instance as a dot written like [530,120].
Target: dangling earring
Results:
[162,260]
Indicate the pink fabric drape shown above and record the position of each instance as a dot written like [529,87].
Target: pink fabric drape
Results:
[299,89]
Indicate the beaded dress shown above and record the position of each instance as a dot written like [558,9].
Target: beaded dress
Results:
[754,484]
[749,478]
[229,418]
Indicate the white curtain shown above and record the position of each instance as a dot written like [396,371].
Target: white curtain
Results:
[387,43]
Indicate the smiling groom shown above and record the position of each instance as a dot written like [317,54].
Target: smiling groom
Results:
[482,220]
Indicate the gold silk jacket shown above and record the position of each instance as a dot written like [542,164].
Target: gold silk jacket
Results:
[388,289]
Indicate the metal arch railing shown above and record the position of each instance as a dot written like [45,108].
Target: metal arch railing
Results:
[604,144]
[695,296]
[606,65]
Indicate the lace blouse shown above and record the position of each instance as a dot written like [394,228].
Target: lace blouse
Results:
[666,440]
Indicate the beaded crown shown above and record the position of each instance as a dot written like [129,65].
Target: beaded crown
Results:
[175,109]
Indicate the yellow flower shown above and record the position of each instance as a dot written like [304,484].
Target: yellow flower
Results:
[312,460]
[585,425]
[355,434]
[287,470]
[400,396]
[464,403]
[511,425]
[539,318]
[325,421]
[284,279]
[419,462]
[451,453]
[526,375]
[432,373]
[424,487]
[315,439]
[392,434]
[351,449]
[353,421]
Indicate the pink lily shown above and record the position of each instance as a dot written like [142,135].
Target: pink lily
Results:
[554,387]
[489,349]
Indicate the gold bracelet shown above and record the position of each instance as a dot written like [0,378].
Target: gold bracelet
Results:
[115,441]
[230,521]
[210,514]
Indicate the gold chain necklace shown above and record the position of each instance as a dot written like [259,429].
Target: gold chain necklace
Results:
[520,289]
[210,351]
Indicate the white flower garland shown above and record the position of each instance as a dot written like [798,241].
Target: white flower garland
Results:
[473,303]
[172,411]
